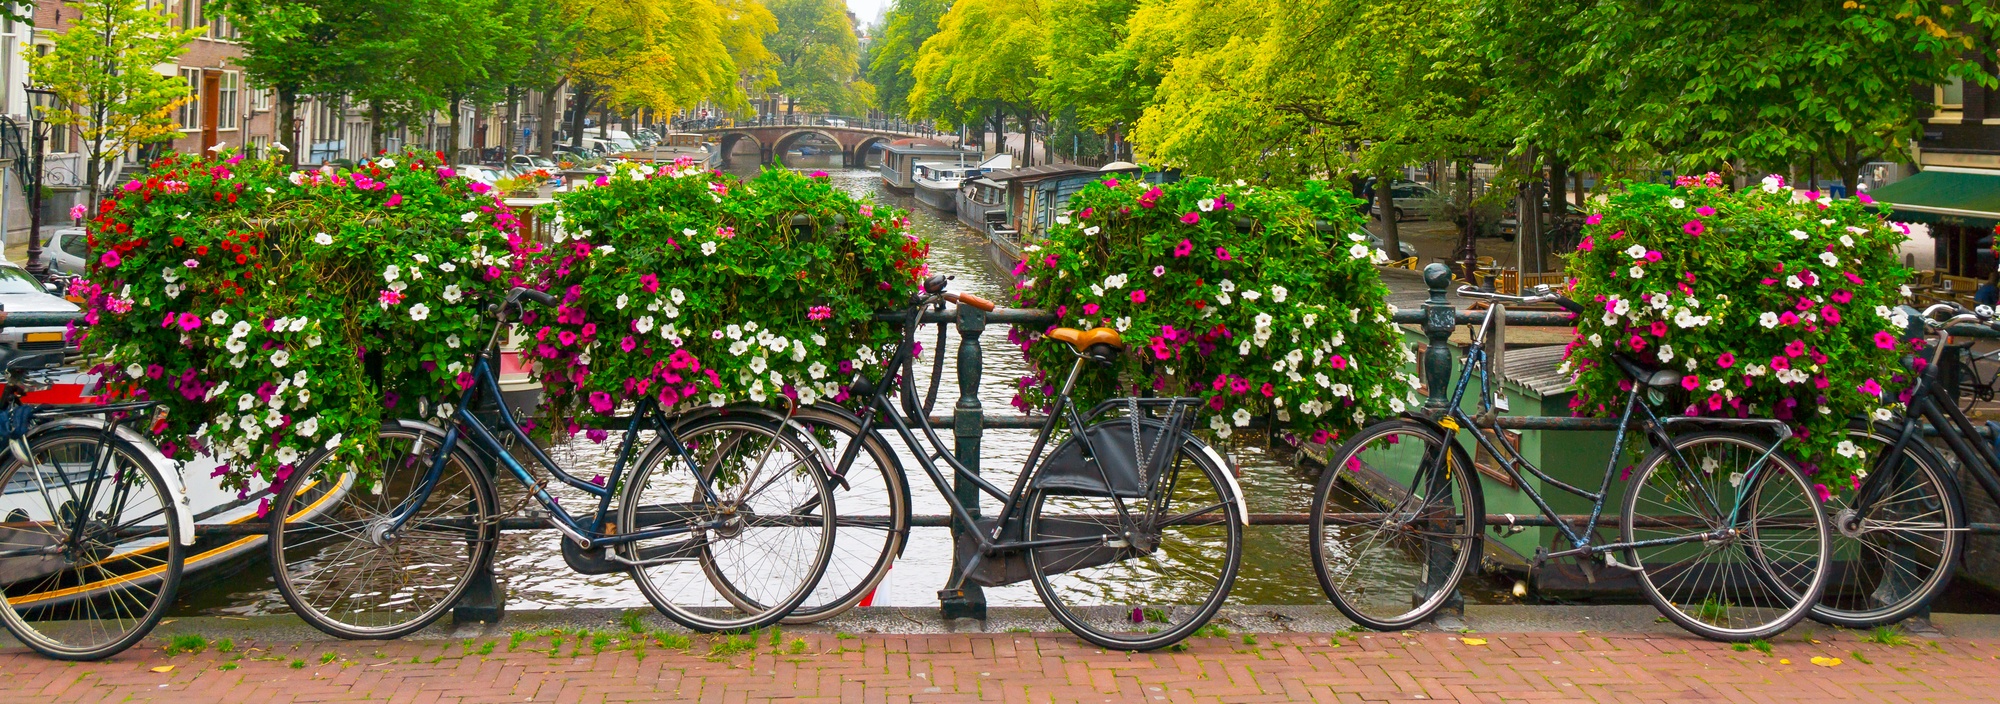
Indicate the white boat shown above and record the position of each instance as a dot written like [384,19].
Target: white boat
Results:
[937,182]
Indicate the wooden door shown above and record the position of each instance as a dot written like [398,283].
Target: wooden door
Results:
[211,107]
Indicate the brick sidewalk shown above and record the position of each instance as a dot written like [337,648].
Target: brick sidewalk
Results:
[1025,668]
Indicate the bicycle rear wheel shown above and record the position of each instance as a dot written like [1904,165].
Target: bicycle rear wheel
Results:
[746,559]
[873,520]
[1894,559]
[1739,551]
[1152,587]
[1396,523]
[96,535]
[342,571]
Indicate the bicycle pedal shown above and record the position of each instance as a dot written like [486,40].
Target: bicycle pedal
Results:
[1611,563]
[1541,556]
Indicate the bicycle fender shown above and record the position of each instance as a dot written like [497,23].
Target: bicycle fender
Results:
[1228,475]
[170,471]
[480,459]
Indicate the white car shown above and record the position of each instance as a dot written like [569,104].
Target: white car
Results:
[21,293]
[68,250]
[483,174]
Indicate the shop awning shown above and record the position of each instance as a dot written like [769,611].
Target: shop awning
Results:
[1940,193]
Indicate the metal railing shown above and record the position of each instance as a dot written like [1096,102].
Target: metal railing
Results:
[827,120]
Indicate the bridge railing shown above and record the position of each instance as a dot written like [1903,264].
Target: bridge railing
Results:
[781,119]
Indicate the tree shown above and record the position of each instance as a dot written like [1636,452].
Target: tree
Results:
[892,61]
[1096,76]
[818,56]
[984,60]
[659,54]
[102,70]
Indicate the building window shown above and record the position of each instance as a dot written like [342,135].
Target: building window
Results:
[190,14]
[226,112]
[260,100]
[190,111]
[1951,95]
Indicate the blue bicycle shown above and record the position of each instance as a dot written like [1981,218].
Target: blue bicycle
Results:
[726,535]
[1718,529]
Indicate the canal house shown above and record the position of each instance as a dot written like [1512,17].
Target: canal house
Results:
[899,160]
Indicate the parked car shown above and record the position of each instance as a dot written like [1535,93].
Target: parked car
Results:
[68,250]
[1406,248]
[1406,198]
[483,174]
[530,162]
[21,293]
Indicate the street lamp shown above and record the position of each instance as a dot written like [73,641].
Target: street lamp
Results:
[40,101]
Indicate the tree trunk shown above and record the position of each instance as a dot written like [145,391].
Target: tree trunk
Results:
[451,131]
[579,107]
[1558,187]
[1027,137]
[1528,225]
[1582,193]
[545,120]
[513,123]
[286,128]
[604,122]
[375,131]
[1385,203]
[1468,238]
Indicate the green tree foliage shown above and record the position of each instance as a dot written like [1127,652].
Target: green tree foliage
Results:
[659,54]
[1093,72]
[818,56]
[892,61]
[983,60]
[102,69]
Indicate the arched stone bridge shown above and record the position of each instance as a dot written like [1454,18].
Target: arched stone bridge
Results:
[856,136]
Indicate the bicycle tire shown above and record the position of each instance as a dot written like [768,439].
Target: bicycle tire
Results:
[667,588]
[1925,486]
[464,493]
[1050,562]
[46,619]
[1415,576]
[875,486]
[1724,588]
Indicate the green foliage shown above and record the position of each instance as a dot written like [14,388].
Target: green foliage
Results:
[243,298]
[635,621]
[1775,303]
[102,69]
[685,286]
[893,52]
[818,56]
[726,647]
[1257,300]
[676,641]
[1887,635]
[191,643]
[983,57]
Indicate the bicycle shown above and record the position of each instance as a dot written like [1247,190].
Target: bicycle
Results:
[1130,529]
[95,530]
[1900,535]
[1973,387]
[400,549]
[1719,528]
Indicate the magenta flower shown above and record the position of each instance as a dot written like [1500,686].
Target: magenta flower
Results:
[1150,198]
[1830,314]
[600,402]
[1586,245]
[1870,387]
[1338,362]
[566,337]
[1110,183]
[628,344]
[1139,296]
[819,174]
[389,297]
[1851,278]
[1795,348]
[1693,227]
[1727,360]
[1221,253]
[1181,250]
[1659,328]
[1090,309]
[395,199]
[1190,218]
[1780,363]
[1653,256]
[1637,343]
[1884,340]
[1789,318]
[1690,381]
[650,283]
[1705,211]
[189,321]
[110,260]
[1594,219]
[819,313]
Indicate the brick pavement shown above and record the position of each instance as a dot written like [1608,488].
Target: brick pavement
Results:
[1010,667]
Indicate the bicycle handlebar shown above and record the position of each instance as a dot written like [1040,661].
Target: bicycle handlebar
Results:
[1543,294]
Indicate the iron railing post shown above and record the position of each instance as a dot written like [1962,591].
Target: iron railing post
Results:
[968,423]
[1440,319]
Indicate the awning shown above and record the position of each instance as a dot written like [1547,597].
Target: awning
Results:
[1945,193]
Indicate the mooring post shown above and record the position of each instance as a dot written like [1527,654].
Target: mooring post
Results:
[967,421]
[1440,319]
[484,600]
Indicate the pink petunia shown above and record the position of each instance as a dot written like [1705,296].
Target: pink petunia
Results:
[1180,250]
[1690,382]
[1727,360]
[1795,348]
[1190,218]
[1222,253]
[1090,309]
[1830,314]
[1593,219]
[1338,362]
[110,260]
[189,321]
[1659,328]
[1705,211]
[1139,296]
[1694,227]
[395,199]
[1870,387]
[1884,340]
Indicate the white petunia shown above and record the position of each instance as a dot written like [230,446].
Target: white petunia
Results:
[452,293]
[1768,319]
[1636,252]
[281,358]
[1797,234]
[1241,417]
[135,371]
[707,248]
[1638,273]
[391,273]
[1278,295]
[623,300]
[323,239]
[420,311]
[1829,259]
[1677,202]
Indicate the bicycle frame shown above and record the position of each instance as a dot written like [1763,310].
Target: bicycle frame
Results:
[1655,427]
[901,371]
[1929,401]
[590,536]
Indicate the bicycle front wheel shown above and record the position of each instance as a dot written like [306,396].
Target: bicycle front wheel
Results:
[1396,523]
[1155,584]
[1728,540]
[745,533]
[342,569]
[92,543]
[1893,559]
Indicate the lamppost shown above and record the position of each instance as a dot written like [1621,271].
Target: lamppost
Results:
[40,101]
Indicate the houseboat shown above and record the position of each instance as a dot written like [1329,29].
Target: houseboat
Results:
[1014,206]
[899,161]
[937,182]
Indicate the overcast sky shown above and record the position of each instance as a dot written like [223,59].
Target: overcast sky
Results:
[867,11]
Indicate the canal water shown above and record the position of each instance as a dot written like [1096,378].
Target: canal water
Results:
[1277,569]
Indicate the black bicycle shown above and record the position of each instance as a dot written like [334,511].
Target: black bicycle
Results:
[1900,535]
[1718,527]
[1130,529]
[96,525]
[732,543]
